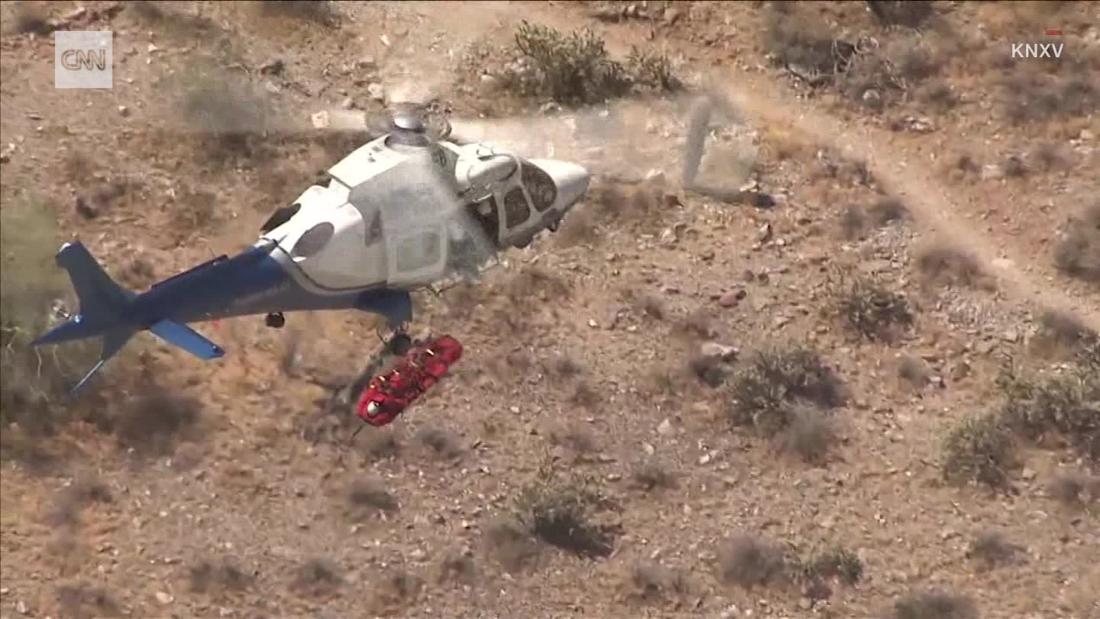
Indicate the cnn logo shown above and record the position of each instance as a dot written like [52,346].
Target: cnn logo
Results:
[83,59]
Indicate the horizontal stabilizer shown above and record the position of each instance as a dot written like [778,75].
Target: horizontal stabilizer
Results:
[187,338]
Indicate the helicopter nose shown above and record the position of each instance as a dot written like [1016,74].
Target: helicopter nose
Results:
[570,179]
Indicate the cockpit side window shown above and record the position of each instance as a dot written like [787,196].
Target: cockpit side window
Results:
[280,217]
[516,209]
[314,240]
[540,186]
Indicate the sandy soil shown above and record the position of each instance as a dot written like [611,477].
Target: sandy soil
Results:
[578,347]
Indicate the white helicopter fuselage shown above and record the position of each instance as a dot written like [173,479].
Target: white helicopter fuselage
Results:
[395,214]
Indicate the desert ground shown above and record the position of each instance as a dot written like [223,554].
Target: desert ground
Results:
[861,381]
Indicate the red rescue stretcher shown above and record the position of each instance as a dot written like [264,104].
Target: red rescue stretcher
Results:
[388,395]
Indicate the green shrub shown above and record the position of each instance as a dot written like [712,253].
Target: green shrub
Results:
[765,390]
[35,380]
[872,311]
[979,448]
[576,68]
[1065,404]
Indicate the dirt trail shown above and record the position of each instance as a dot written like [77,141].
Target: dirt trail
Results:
[919,188]
[912,182]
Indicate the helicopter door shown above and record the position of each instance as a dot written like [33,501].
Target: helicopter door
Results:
[417,256]
[516,215]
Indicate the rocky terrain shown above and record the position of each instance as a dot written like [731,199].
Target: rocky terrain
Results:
[860,381]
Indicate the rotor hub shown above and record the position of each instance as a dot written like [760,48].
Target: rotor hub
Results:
[407,121]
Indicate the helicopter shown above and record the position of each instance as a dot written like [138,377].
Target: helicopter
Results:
[407,210]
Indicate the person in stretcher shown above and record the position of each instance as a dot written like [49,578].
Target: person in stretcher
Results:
[387,395]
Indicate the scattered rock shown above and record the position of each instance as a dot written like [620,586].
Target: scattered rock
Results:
[765,233]
[163,597]
[123,111]
[272,67]
[731,298]
[376,92]
[665,427]
[714,350]
[992,171]
[85,208]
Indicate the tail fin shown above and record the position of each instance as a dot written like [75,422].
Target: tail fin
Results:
[103,305]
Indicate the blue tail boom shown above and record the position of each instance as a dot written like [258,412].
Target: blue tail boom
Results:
[106,312]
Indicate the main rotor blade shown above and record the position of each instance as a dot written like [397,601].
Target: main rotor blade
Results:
[690,139]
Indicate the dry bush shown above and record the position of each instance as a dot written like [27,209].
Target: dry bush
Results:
[664,381]
[834,563]
[652,474]
[908,13]
[380,444]
[1077,252]
[709,369]
[78,167]
[229,118]
[218,577]
[575,68]
[564,367]
[652,70]
[367,497]
[935,605]
[1014,167]
[1051,157]
[853,222]
[155,422]
[1032,96]
[318,11]
[652,582]
[508,542]
[577,439]
[793,37]
[872,311]
[31,19]
[1065,405]
[441,442]
[1075,490]
[981,449]
[1063,333]
[808,435]
[913,372]
[913,59]
[652,306]
[560,513]
[396,593]
[871,80]
[533,284]
[586,396]
[748,561]
[765,388]
[82,601]
[316,578]
[699,323]
[578,228]
[569,68]
[35,381]
[457,567]
[887,210]
[990,549]
[942,265]
[71,500]
[937,94]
